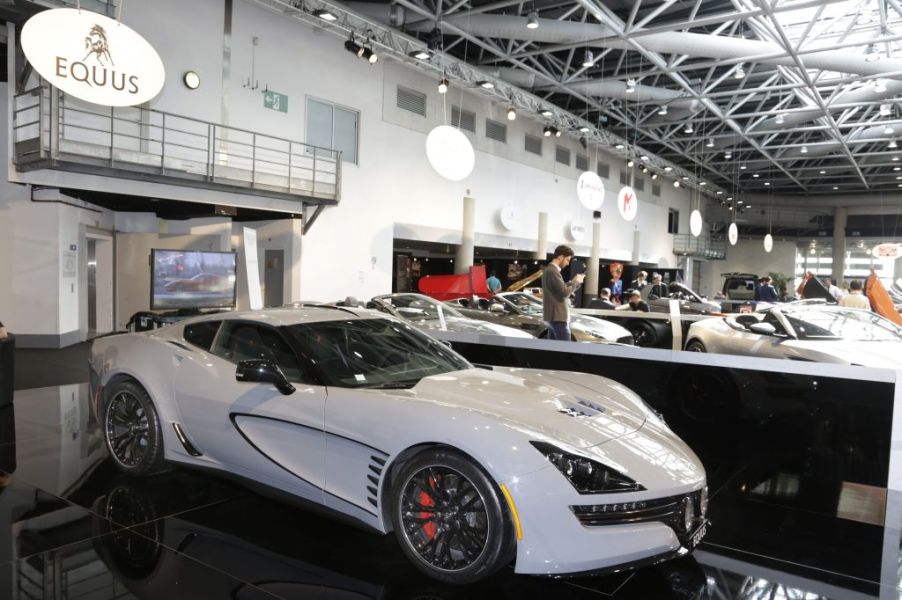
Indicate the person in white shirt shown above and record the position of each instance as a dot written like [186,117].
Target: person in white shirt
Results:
[855,299]
[832,288]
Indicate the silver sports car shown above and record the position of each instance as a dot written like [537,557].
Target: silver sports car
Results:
[429,314]
[372,419]
[803,331]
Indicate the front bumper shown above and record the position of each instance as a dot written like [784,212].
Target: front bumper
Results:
[565,533]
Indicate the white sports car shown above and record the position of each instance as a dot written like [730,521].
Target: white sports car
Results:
[367,416]
[803,331]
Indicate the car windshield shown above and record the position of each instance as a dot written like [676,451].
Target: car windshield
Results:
[831,323]
[373,352]
[416,306]
[526,303]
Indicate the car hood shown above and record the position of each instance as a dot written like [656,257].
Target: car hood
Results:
[867,354]
[606,329]
[573,408]
[470,325]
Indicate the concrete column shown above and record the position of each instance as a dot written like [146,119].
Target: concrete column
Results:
[840,217]
[463,258]
[636,246]
[542,246]
[591,287]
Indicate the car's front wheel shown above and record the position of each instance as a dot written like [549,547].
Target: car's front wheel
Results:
[695,346]
[450,519]
[131,429]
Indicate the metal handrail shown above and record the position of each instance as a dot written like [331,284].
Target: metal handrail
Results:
[170,145]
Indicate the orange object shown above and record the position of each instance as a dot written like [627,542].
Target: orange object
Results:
[881,302]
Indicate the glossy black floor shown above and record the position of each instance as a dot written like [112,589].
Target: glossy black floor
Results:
[72,527]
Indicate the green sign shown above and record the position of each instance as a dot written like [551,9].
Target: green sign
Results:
[275,101]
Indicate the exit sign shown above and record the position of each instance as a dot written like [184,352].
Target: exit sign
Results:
[275,101]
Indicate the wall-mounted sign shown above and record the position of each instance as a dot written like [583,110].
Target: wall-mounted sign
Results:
[576,231]
[627,203]
[511,216]
[887,251]
[590,190]
[93,57]
[696,223]
[275,101]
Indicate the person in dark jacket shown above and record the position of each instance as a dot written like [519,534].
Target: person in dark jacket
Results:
[603,301]
[555,310]
[636,303]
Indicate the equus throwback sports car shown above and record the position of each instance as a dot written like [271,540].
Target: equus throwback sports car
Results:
[366,416]
[803,331]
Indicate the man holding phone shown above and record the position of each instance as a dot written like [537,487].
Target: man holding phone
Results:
[555,310]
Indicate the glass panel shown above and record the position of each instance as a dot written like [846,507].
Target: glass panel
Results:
[319,125]
[345,138]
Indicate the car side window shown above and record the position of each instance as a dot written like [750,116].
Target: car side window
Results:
[201,334]
[240,340]
[778,327]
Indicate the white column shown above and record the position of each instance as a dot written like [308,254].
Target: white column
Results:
[840,217]
[636,246]
[542,246]
[463,258]
[591,289]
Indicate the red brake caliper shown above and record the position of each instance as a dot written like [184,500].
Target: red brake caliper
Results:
[426,500]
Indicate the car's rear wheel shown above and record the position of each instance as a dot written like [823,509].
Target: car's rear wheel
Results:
[695,346]
[643,334]
[132,430]
[450,519]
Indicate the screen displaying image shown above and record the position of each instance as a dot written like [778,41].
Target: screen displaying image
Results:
[192,279]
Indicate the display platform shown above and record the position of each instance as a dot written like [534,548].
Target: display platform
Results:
[70,524]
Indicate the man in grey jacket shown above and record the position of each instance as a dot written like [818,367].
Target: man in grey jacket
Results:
[555,310]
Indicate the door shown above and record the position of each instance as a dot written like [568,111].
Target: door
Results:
[273,277]
[252,428]
[92,288]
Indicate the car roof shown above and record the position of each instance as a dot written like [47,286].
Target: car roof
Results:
[287,315]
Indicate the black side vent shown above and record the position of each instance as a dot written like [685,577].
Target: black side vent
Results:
[533,144]
[374,477]
[411,101]
[562,155]
[463,119]
[582,162]
[655,190]
[639,184]
[603,170]
[496,131]
[624,178]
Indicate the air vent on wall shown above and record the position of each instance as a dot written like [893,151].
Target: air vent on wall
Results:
[624,178]
[496,131]
[603,170]
[639,184]
[534,144]
[411,101]
[655,190]
[463,119]
[582,162]
[562,155]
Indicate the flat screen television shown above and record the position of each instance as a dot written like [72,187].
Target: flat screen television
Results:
[192,279]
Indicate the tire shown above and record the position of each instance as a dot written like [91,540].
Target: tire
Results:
[695,346]
[131,429]
[644,334]
[471,537]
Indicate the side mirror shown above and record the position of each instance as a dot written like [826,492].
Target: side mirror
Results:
[763,328]
[263,371]
[496,308]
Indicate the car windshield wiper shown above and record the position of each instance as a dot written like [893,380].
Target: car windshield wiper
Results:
[391,385]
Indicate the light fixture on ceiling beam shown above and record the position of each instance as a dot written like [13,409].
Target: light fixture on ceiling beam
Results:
[511,114]
[644,170]
[644,157]
[871,53]
[767,183]
[668,169]
[688,128]
[710,143]
[739,73]
[532,19]
[728,155]
[880,86]
[743,167]
[557,132]
[584,129]
[486,85]
[662,110]
[804,150]
[654,176]
[325,15]
[443,85]
[895,159]
[756,175]
[888,130]
[886,110]
[421,54]
[547,131]
[370,55]
[822,172]
[892,144]
[630,85]
[631,163]
[588,58]
[835,187]
[353,47]
[676,183]
[619,146]
[780,119]
[546,112]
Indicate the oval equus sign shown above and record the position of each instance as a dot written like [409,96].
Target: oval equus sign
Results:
[93,57]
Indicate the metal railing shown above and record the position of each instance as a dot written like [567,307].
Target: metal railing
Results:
[703,246]
[55,130]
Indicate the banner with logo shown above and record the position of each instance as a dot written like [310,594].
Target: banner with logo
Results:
[93,57]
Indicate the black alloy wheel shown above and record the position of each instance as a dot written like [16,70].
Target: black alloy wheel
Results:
[132,430]
[450,519]
[643,334]
[695,346]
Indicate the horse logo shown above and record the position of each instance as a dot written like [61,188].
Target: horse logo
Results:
[97,44]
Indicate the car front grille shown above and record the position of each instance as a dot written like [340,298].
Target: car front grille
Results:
[670,511]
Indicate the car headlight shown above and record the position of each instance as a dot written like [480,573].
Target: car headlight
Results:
[703,502]
[586,475]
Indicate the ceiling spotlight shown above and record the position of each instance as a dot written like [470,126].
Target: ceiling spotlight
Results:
[703,183]
[888,130]
[719,192]
[442,85]
[654,176]
[886,110]
[756,175]
[545,112]
[630,86]
[871,53]
[766,183]
[584,129]
[588,58]
[619,146]
[369,55]
[668,169]
[897,168]
[779,119]
[747,206]
[325,15]
[685,178]
[739,73]
[892,144]
[422,54]
[645,169]
[728,155]
[557,132]
[895,159]
[740,201]
[822,172]
[643,157]
[676,183]
[547,131]
[688,128]
[532,19]
[804,150]
[743,167]
[662,110]
[486,85]
[353,47]
[511,114]
[710,143]
[631,163]
[835,187]
[880,86]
